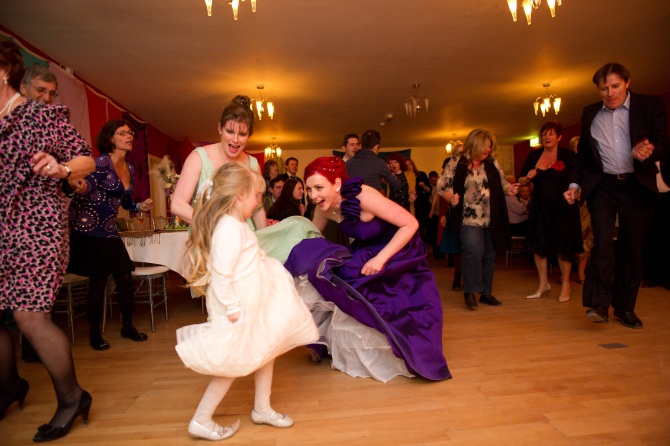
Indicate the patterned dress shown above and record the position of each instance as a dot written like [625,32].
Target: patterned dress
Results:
[33,239]
[92,217]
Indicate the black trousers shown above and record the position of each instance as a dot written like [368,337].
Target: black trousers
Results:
[616,266]
[656,247]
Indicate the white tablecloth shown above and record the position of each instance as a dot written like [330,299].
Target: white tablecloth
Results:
[161,248]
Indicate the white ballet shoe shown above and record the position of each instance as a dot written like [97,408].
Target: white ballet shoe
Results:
[274,419]
[540,293]
[216,433]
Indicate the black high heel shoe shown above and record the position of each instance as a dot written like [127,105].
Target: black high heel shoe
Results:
[19,396]
[47,432]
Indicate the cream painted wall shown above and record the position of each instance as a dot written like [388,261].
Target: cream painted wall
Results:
[426,158]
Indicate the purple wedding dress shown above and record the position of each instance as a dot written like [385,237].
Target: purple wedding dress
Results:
[402,301]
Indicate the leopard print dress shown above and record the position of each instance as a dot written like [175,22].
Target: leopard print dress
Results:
[33,235]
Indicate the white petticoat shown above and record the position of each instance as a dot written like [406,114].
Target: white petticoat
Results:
[356,349]
[273,320]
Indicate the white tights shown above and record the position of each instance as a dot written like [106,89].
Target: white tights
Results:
[218,388]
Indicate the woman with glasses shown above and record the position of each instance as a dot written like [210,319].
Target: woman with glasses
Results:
[96,248]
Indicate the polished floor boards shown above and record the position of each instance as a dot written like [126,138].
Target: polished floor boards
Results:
[532,372]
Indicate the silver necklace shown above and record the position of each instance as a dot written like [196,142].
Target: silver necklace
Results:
[9,103]
[339,217]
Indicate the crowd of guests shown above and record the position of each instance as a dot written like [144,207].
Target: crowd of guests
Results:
[271,281]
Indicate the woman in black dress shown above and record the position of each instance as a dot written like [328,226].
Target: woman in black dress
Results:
[554,227]
[289,203]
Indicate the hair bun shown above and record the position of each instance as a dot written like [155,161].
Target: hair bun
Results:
[242,100]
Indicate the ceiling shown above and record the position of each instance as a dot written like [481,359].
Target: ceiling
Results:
[333,67]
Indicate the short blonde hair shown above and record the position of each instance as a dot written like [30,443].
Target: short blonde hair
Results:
[215,199]
[476,142]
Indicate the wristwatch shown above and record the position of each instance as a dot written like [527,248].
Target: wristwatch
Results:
[69,171]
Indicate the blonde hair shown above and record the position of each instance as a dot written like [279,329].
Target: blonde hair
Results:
[476,142]
[215,199]
[457,149]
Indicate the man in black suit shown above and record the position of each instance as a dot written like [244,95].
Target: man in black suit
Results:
[622,136]
[367,164]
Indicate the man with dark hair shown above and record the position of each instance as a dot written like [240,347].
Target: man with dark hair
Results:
[276,186]
[350,144]
[291,165]
[622,137]
[40,84]
[368,165]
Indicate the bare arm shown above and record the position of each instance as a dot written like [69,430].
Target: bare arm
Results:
[183,193]
[376,205]
[260,219]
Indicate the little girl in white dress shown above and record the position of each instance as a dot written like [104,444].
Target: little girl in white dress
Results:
[255,313]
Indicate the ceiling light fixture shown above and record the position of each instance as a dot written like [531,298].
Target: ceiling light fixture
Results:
[233,4]
[258,104]
[273,151]
[545,103]
[417,103]
[529,5]
[388,118]
[453,143]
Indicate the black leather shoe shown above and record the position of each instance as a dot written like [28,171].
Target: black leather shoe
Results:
[597,314]
[99,344]
[133,334]
[47,432]
[17,394]
[489,300]
[628,319]
[470,301]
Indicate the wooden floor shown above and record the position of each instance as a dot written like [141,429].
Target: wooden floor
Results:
[527,373]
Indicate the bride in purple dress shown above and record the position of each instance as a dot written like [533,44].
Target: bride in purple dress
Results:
[382,280]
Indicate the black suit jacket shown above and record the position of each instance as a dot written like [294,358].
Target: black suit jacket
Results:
[648,118]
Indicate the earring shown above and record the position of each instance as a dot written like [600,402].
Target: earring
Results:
[337,190]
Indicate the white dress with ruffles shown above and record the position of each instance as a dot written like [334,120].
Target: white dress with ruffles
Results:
[273,318]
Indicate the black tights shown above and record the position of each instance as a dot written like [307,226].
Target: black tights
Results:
[96,300]
[53,348]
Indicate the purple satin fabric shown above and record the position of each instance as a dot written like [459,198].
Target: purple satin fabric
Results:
[402,301]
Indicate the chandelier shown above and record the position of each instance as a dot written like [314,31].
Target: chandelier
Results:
[453,143]
[233,4]
[273,151]
[417,103]
[529,5]
[543,104]
[260,108]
